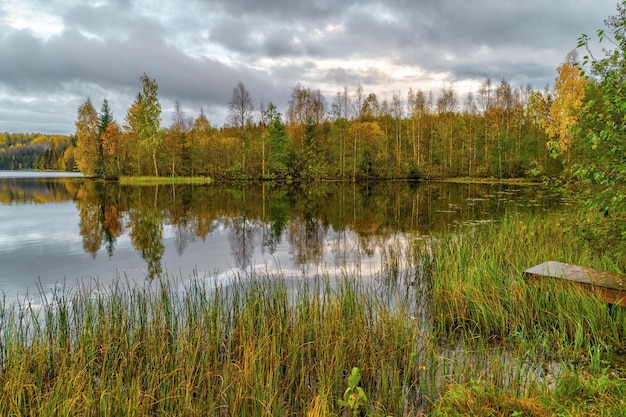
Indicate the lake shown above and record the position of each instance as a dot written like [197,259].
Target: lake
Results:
[62,229]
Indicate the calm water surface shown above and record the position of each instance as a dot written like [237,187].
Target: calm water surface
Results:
[61,230]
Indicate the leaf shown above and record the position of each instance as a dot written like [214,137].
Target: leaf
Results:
[354,378]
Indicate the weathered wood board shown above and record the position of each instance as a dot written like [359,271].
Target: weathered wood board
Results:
[610,286]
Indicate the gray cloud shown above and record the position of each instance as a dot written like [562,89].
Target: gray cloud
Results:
[198,50]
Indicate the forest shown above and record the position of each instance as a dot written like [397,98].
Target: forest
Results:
[573,132]
[500,131]
[36,151]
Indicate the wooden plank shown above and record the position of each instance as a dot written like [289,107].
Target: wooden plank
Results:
[610,286]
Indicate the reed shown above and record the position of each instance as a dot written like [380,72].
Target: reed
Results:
[259,346]
[480,287]
[539,334]
[448,327]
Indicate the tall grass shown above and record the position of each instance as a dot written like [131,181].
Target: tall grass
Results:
[450,326]
[256,347]
[480,288]
[551,333]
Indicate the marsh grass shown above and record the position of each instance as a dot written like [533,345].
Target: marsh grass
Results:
[549,332]
[480,288]
[448,327]
[255,347]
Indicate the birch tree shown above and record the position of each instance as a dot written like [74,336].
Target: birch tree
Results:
[88,146]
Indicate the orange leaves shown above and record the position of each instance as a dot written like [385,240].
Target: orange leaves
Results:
[112,139]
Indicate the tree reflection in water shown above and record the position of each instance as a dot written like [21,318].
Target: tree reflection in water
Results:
[147,237]
[308,218]
[243,237]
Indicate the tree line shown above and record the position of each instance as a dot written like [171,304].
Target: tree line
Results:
[36,151]
[499,131]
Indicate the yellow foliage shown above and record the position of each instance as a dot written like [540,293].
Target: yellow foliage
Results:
[87,149]
[569,94]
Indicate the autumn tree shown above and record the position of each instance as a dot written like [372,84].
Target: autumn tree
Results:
[446,106]
[569,93]
[415,104]
[470,114]
[111,141]
[505,121]
[370,155]
[148,118]
[201,147]
[340,112]
[88,145]
[306,113]
[370,108]
[175,141]
[131,131]
[397,113]
[305,106]
[114,149]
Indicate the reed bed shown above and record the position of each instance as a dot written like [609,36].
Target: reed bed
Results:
[560,341]
[259,346]
[448,327]
[480,288]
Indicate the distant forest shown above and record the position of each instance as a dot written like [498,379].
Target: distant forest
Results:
[36,151]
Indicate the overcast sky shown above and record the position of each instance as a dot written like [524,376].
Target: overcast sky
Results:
[56,53]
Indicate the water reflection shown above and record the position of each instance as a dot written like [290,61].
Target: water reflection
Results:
[336,222]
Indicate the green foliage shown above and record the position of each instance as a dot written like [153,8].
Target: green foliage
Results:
[278,139]
[149,118]
[354,397]
[603,164]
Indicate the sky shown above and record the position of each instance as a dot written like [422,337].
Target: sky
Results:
[54,54]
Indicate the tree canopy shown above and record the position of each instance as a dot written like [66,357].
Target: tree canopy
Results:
[604,121]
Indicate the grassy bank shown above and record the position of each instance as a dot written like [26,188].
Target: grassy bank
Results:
[450,327]
[165,180]
[474,180]
[254,348]
[568,347]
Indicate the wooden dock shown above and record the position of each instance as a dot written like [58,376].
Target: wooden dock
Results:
[610,286]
